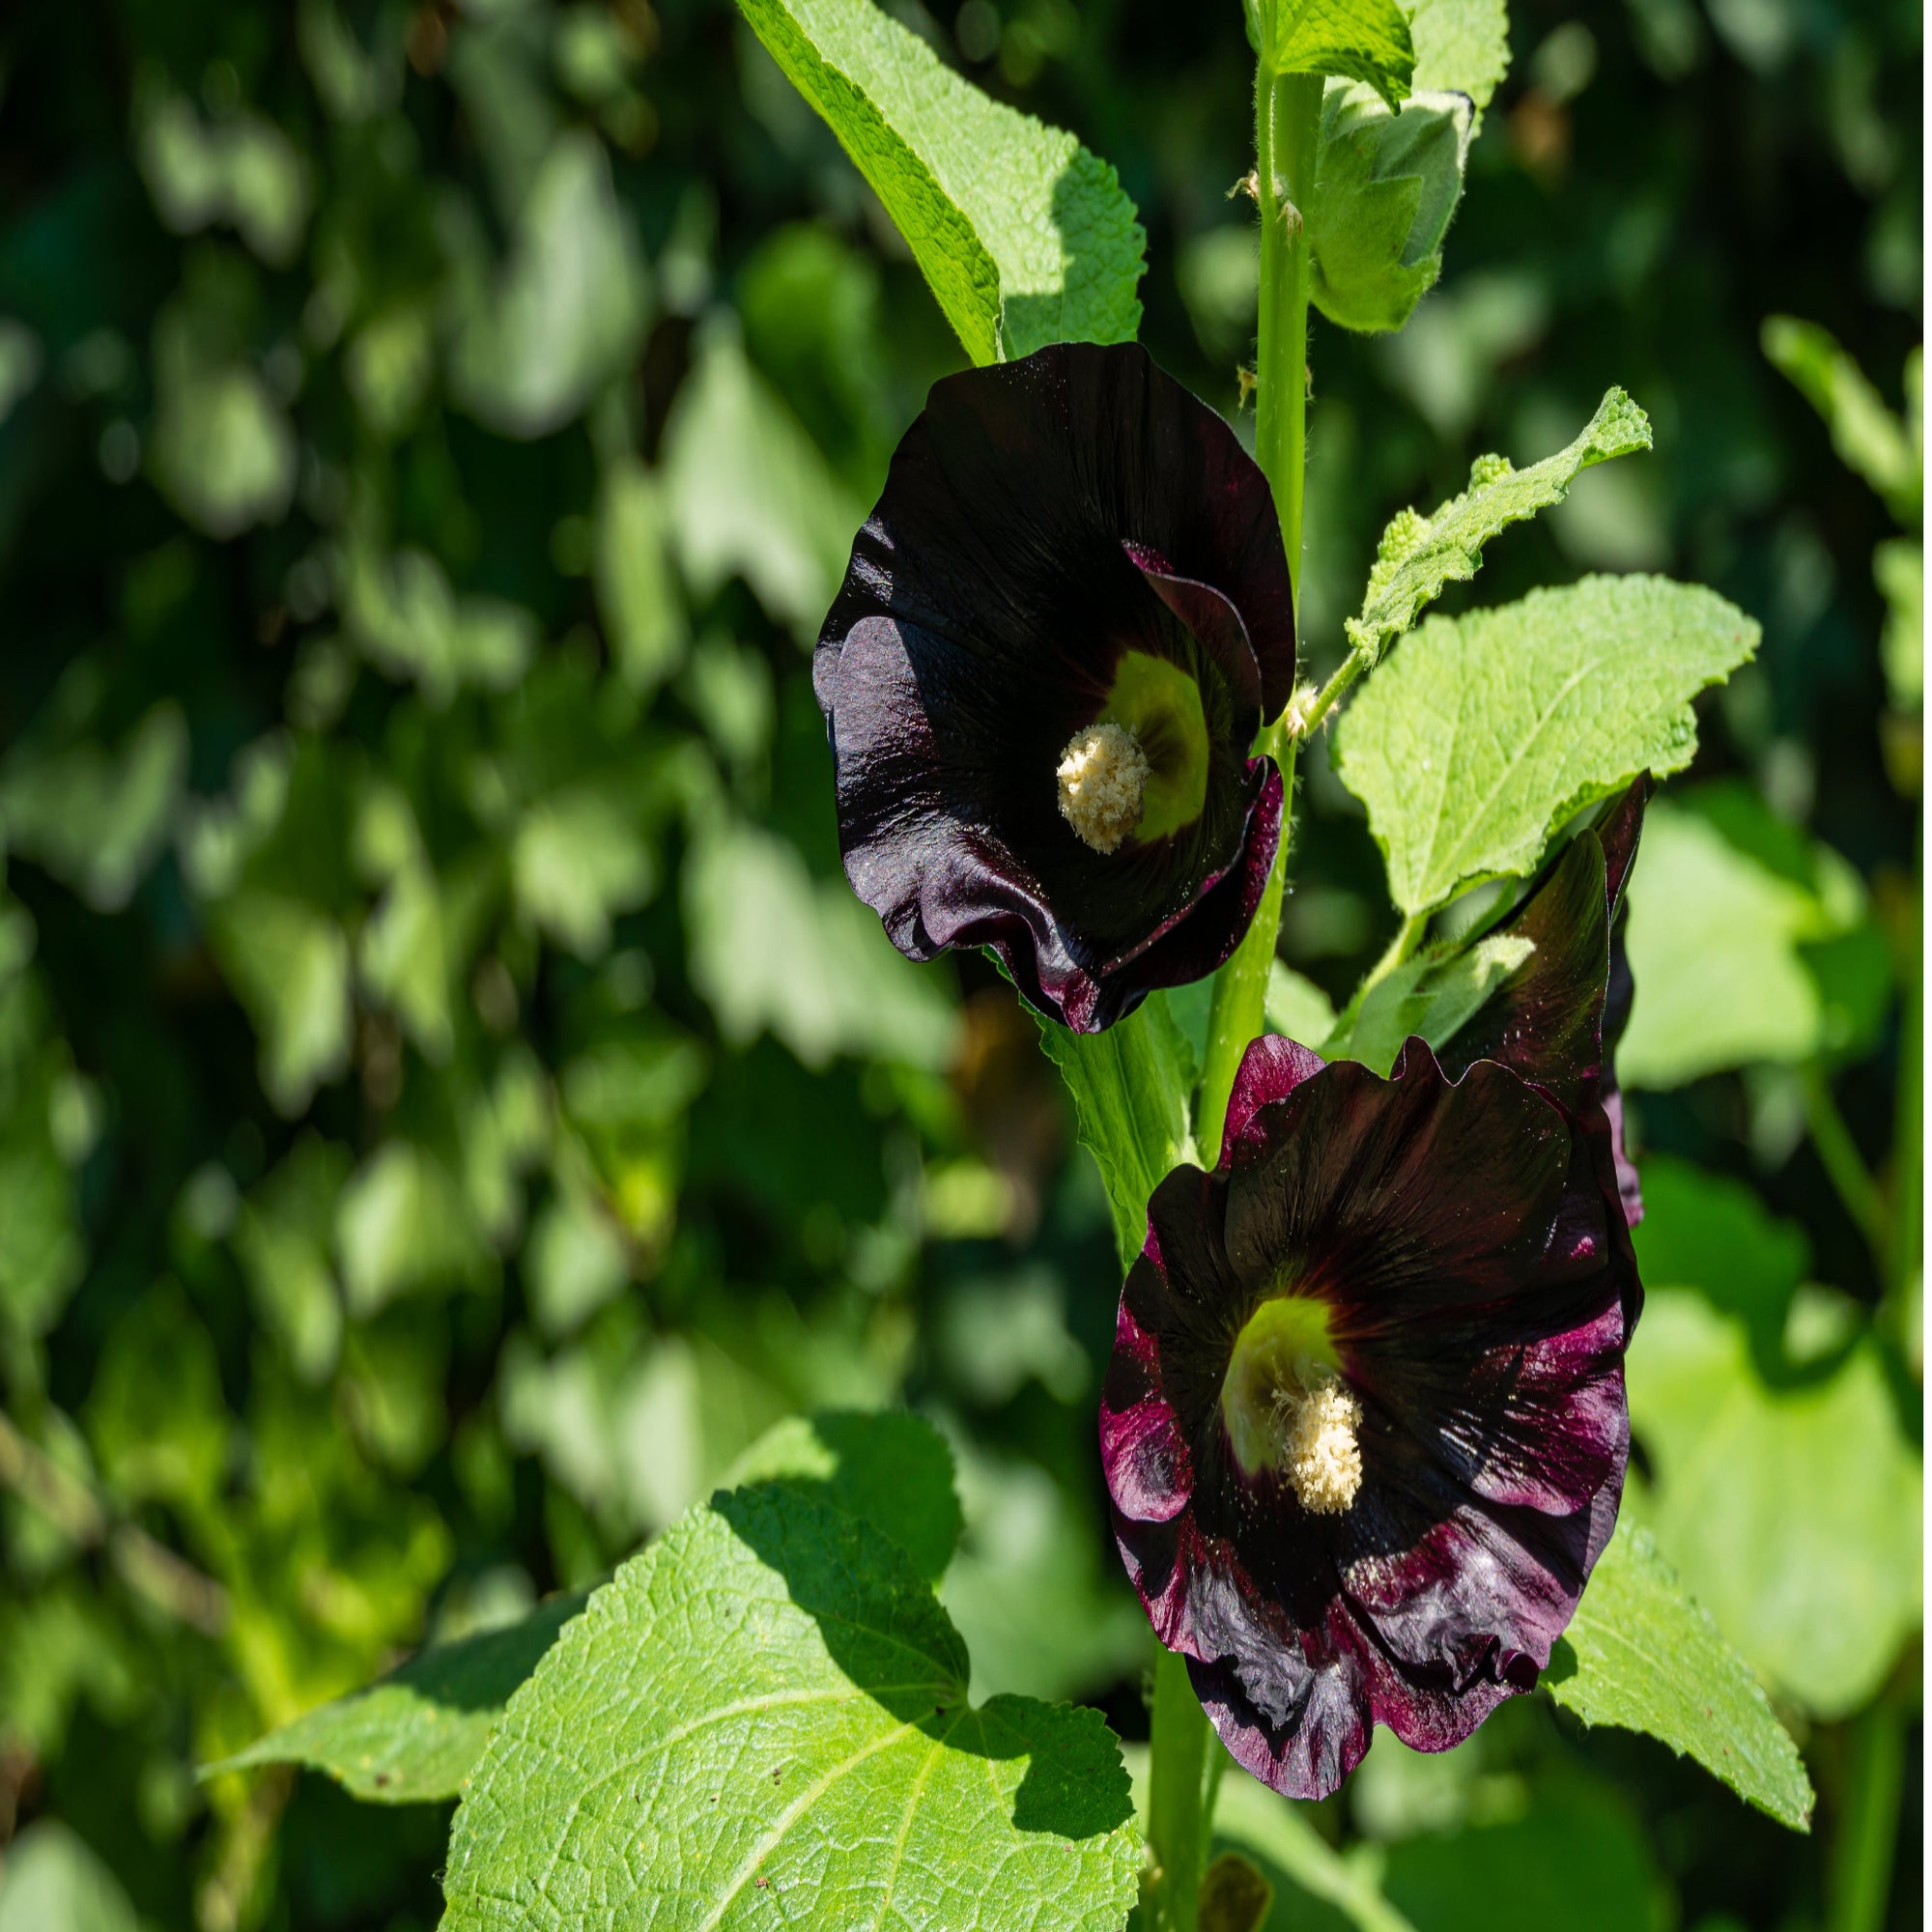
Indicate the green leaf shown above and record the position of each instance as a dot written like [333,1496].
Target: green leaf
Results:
[53,1881]
[748,494]
[288,963]
[411,1737]
[1431,994]
[1706,1231]
[1792,1512]
[1899,567]
[766,1712]
[1641,1656]
[1389,186]
[569,307]
[1747,945]
[774,948]
[636,589]
[1306,1872]
[1486,732]
[1358,39]
[1869,438]
[1419,554]
[1132,1089]
[1025,237]
[1297,1006]
[894,1472]
[1462,46]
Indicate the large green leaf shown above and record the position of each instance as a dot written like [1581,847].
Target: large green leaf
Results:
[1747,943]
[411,1737]
[1419,554]
[1358,39]
[1640,1655]
[1025,237]
[1132,1089]
[895,1472]
[1389,186]
[1486,732]
[764,1717]
[1792,1512]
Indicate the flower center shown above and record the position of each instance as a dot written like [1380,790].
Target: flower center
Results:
[1140,770]
[1285,1408]
[1104,776]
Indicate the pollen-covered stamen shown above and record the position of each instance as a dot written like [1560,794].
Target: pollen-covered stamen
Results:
[1103,776]
[1321,1457]
[1285,1408]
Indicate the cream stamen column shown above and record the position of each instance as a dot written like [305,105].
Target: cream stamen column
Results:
[1104,776]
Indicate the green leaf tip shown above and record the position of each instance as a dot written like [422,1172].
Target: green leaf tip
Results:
[1419,554]
[1641,1656]
[1355,39]
[1024,236]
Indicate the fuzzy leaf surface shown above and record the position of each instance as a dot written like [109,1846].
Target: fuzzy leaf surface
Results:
[1640,1655]
[1419,554]
[1025,237]
[1133,1088]
[1462,46]
[1486,732]
[1389,187]
[411,1737]
[1358,39]
[763,1718]
[895,1470]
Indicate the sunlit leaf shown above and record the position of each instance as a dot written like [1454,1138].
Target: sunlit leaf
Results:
[1024,236]
[1744,948]
[1419,554]
[1360,39]
[1484,733]
[1793,1513]
[1868,437]
[570,304]
[1640,1655]
[53,1881]
[780,1712]
[1462,46]
[412,1736]
[894,1471]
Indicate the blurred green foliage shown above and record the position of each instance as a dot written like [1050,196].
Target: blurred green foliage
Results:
[450,1103]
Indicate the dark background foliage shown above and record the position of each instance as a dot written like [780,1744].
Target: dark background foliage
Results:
[449,1103]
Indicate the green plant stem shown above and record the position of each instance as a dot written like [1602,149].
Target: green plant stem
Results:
[1843,1163]
[1867,1831]
[1239,1006]
[1177,1823]
[1331,693]
[1287,118]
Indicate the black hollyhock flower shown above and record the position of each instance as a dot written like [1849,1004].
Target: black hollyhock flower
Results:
[1558,1018]
[1061,628]
[1364,1426]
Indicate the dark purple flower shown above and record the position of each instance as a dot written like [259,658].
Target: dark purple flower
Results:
[1558,1018]
[1061,628]
[1364,1426]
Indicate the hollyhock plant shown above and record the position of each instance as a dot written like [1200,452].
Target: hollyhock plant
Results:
[1062,627]
[1364,1427]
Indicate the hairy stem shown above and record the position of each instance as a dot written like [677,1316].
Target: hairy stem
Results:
[1181,1750]
[1287,116]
